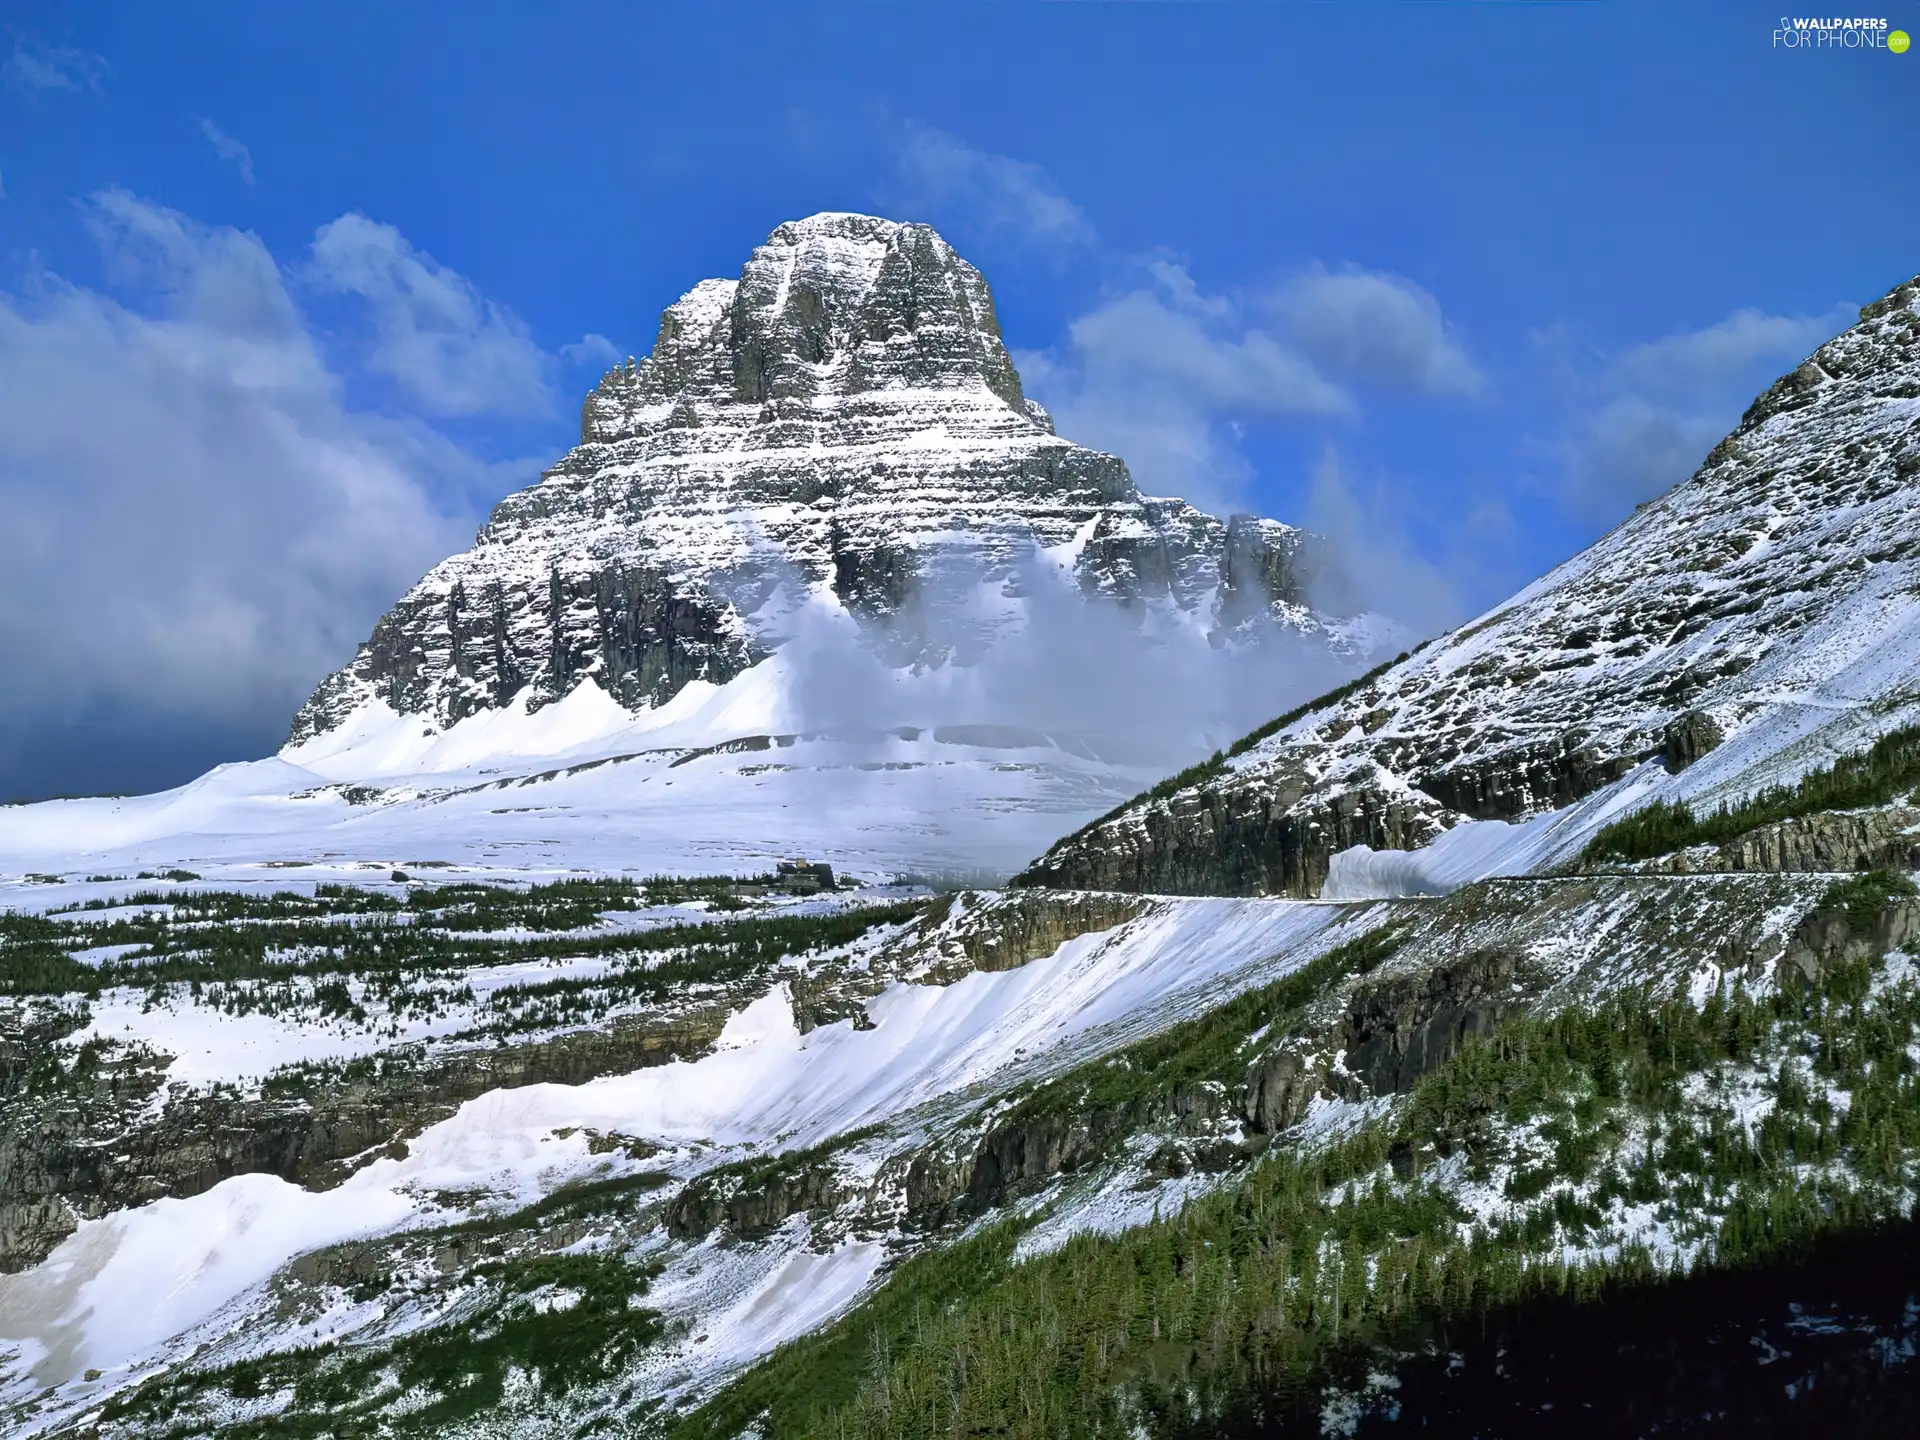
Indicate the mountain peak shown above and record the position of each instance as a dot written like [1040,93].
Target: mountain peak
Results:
[839,225]
[843,416]
[830,307]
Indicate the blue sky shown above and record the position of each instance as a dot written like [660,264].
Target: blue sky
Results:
[289,296]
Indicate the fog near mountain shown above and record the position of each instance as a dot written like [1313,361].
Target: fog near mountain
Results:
[1028,650]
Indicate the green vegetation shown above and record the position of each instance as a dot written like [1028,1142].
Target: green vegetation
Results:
[1567,1154]
[1862,898]
[583,1200]
[569,904]
[1887,772]
[966,1341]
[1589,1124]
[684,956]
[760,1171]
[566,1321]
[1564,1155]
[33,961]
[1216,763]
[251,952]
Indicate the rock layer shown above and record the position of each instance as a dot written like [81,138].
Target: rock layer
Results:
[123,1139]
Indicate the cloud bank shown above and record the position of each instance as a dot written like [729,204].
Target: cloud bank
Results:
[449,349]
[1377,329]
[1168,376]
[199,525]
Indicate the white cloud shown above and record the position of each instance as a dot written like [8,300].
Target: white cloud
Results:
[1696,364]
[1162,375]
[229,150]
[1375,328]
[591,350]
[1649,415]
[32,70]
[990,195]
[197,526]
[221,279]
[449,349]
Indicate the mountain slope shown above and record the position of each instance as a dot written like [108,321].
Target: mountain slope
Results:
[1054,1165]
[1758,620]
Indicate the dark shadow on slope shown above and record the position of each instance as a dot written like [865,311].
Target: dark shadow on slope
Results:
[1822,1343]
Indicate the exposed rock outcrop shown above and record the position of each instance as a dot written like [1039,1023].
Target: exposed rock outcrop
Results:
[1690,736]
[1829,841]
[1281,1085]
[752,1201]
[1828,936]
[86,1149]
[1269,834]
[1005,930]
[1401,1027]
[1018,1153]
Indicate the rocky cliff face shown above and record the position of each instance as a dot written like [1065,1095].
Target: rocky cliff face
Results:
[123,1138]
[842,415]
[1761,602]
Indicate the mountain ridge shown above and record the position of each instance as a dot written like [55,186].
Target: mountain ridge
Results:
[1742,605]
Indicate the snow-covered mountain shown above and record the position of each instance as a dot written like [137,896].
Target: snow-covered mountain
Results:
[842,419]
[818,579]
[1751,624]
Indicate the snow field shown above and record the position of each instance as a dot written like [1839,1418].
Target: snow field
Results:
[504,795]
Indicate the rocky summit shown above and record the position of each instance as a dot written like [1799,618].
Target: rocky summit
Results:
[843,416]
[1766,605]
